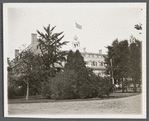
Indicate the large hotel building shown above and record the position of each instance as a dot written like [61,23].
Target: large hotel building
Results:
[94,61]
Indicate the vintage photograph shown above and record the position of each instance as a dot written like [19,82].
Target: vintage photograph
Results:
[74,60]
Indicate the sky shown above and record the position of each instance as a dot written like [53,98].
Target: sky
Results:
[101,23]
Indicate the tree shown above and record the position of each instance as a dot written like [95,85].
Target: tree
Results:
[135,61]
[113,59]
[124,58]
[75,62]
[124,62]
[119,54]
[50,45]
[10,80]
[10,72]
[82,75]
[70,60]
[27,69]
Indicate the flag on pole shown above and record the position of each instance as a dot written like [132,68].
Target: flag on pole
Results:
[78,26]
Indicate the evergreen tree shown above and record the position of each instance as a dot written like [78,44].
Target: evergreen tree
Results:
[70,60]
[50,45]
[82,75]
[79,65]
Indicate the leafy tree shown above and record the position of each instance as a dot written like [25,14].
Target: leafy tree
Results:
[135,62]
[50,45]
[26,69]
[124,59]
[11,80]
[113,60]
[10,73]
[119,54]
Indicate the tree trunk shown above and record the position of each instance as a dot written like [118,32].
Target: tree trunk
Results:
[27,93]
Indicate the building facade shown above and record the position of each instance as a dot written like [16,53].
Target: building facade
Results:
[94,61]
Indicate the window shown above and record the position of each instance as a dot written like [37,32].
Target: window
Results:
[94,63]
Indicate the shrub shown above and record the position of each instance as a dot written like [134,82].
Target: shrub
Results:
[100,86]
[11,92]
[106,86]
[63,86]
[66,85]
[46,90]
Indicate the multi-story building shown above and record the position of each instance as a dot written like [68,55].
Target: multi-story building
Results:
[94,61]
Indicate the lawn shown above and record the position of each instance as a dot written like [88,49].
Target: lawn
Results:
[40,99]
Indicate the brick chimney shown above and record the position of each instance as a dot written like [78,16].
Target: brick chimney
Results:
[16,52]
[100,51]
[33,38]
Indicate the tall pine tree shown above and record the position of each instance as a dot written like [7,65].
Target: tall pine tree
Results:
[70,60]
[82,75]
[50,44]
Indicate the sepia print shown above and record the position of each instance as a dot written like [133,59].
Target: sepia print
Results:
[74,60]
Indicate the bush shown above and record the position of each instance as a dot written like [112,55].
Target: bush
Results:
[66,85]
[62,86]
[100,86]
[46,90]
[11,92]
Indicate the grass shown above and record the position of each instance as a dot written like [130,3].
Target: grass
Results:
[40,99]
